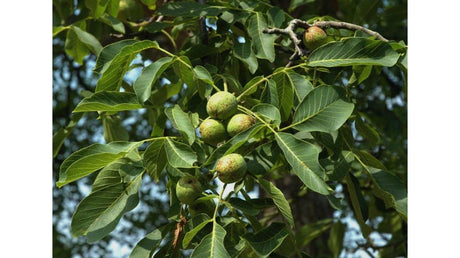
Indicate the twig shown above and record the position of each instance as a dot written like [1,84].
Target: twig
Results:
[350,26]
[296,23]
[151,19]
[290,31]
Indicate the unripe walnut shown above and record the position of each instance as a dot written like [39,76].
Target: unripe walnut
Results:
[188,189]
[314,37]
[213,131]
[231,168]
[239,123]
[222,105]
[202,206]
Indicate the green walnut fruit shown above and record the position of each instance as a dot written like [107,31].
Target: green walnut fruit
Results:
[239,123]
[222,105]
[314,37]
[188,189]
[213,131]
[202,206]
[231,168]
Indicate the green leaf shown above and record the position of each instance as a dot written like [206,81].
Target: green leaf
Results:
[181,121]
[276,16]
[97,7]
[202,74]
[144,83]
[335,241]
[342,166]
[88,39]
[311,231]
[279,199]
[157,26]
[108,101]
[192,233]
[112,77]
[392,185]
[263,43]
[243,206]
[251,86]
[388,187]
[268,239]
[89,159]
[109,52]
[243,51]
[99,213]
[179,155]
[285,90]
[63,133]
[270,93]
[184,71]
[358,203]
[367,132]
[113,7]
[302,86]
[323,109]
[360,74]
[113,129]
[114,23]
[269,113]
[146,247]
[353,51]
[161,94]
[155,158]
[74,47]
[303,158]
[189,9]
[212,245]
[368,160]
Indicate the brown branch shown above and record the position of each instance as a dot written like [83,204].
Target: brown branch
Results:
[350,26]
[296,23]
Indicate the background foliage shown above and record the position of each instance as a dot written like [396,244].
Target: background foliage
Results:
[376,131]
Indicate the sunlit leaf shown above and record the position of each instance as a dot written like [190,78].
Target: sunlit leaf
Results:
[109,52]
[179,154]
[323,109]
[108,101]
[303,157]
[353,51]
[181,121]
[262,43]
[89,159]
[144,83]
[269,113]
[155,158]
[212,245]
[99,213]
[112,77]
[113,129]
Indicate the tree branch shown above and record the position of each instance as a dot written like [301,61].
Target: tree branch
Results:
[296,23]
[350,26]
